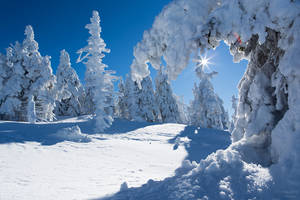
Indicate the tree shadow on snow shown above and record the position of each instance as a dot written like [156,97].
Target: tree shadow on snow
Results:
[46,133]
[123,126]
[200,142]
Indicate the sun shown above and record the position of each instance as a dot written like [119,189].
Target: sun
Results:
[203,62]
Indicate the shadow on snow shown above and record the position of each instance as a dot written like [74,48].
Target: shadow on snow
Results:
[199,143]
[44,133]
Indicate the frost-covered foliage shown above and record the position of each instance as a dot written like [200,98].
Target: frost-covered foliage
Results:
[121,105]
[25,73]
[206,110]
[31,114]
[71,92]
[233,117]
[267,33]
[99,81]
[132,93]
[165,99]
[137,103]
[183,110]
[147,102]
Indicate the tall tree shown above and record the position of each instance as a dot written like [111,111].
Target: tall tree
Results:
[234,101]
[71,96]
[206,110]
[165,99]
[27,74]
[147,103]
[99,81]
[132,99]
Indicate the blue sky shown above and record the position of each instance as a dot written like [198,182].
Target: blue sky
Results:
[60,25]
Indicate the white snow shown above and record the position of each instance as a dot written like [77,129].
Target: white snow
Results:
[56,161]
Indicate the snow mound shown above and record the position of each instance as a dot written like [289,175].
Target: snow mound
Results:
[223,175]
[72,134]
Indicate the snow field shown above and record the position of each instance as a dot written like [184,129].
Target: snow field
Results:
[85,170]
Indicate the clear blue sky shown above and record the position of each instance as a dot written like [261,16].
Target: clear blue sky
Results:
[59,24]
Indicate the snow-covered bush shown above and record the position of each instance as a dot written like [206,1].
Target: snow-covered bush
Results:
[72,134]
[26,73]
[206,110]
[98,80]
[71,92]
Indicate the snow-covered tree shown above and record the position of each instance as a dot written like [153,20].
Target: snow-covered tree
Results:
[165,99]
[132,98]
[121,107]
[98,80]
[31,114]
[137,103]
[207,109]
[234,101]
[27,74]
[71,92]
[183,110]
[147,103]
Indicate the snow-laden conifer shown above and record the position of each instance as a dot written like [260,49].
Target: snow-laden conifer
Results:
[207,109]
[98,80]
[27,74]
[71,92]
[165,99]
[147,103]
[234,101]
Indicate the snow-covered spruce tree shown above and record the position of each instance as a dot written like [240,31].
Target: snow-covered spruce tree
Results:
[71,92]
[98,80]
[137,103]
[206,109]
[121,110]
[132,99]
[165,99]
[183,110]
[147,102]
[27,74]
[233,117]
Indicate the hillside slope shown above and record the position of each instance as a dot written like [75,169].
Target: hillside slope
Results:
[54,161]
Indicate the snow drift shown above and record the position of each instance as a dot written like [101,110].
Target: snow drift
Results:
[263,159]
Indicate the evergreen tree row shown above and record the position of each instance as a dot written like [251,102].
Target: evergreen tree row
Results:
[29,91]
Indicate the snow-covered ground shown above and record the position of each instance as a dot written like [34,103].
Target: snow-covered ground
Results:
[57,161]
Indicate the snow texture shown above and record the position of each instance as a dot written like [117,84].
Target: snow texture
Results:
[67,159]
[72,134]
